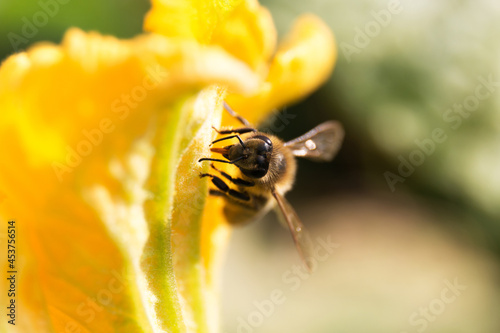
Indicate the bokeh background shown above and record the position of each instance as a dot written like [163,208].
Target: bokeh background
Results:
[405,69]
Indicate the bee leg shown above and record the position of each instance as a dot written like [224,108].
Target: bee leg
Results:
[242,130]
[236,181]
[237,116]
[222,186]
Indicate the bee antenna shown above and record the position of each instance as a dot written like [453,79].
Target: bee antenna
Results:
[230,137]
[219,160]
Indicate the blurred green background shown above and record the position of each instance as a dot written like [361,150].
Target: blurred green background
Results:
[404,70]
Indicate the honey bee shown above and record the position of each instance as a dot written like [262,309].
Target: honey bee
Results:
[265,169]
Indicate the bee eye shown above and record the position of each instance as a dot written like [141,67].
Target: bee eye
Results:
[265,139]
[265,145]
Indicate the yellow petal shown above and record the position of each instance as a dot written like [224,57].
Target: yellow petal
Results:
[243,28]
[248,33]
[98,139]
[303,62]
[114,71]
[196,19]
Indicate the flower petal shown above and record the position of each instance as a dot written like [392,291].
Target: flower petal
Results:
[92,134]
[248,33]
[189,19]
[243,28]
[303,62]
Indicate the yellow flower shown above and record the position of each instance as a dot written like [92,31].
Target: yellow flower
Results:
[99,139]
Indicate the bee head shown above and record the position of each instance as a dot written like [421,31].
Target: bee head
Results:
[254,156]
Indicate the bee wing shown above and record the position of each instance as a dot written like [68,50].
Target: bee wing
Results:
[320,144]
[300,236]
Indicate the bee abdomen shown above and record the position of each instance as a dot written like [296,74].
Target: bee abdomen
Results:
[243,212]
